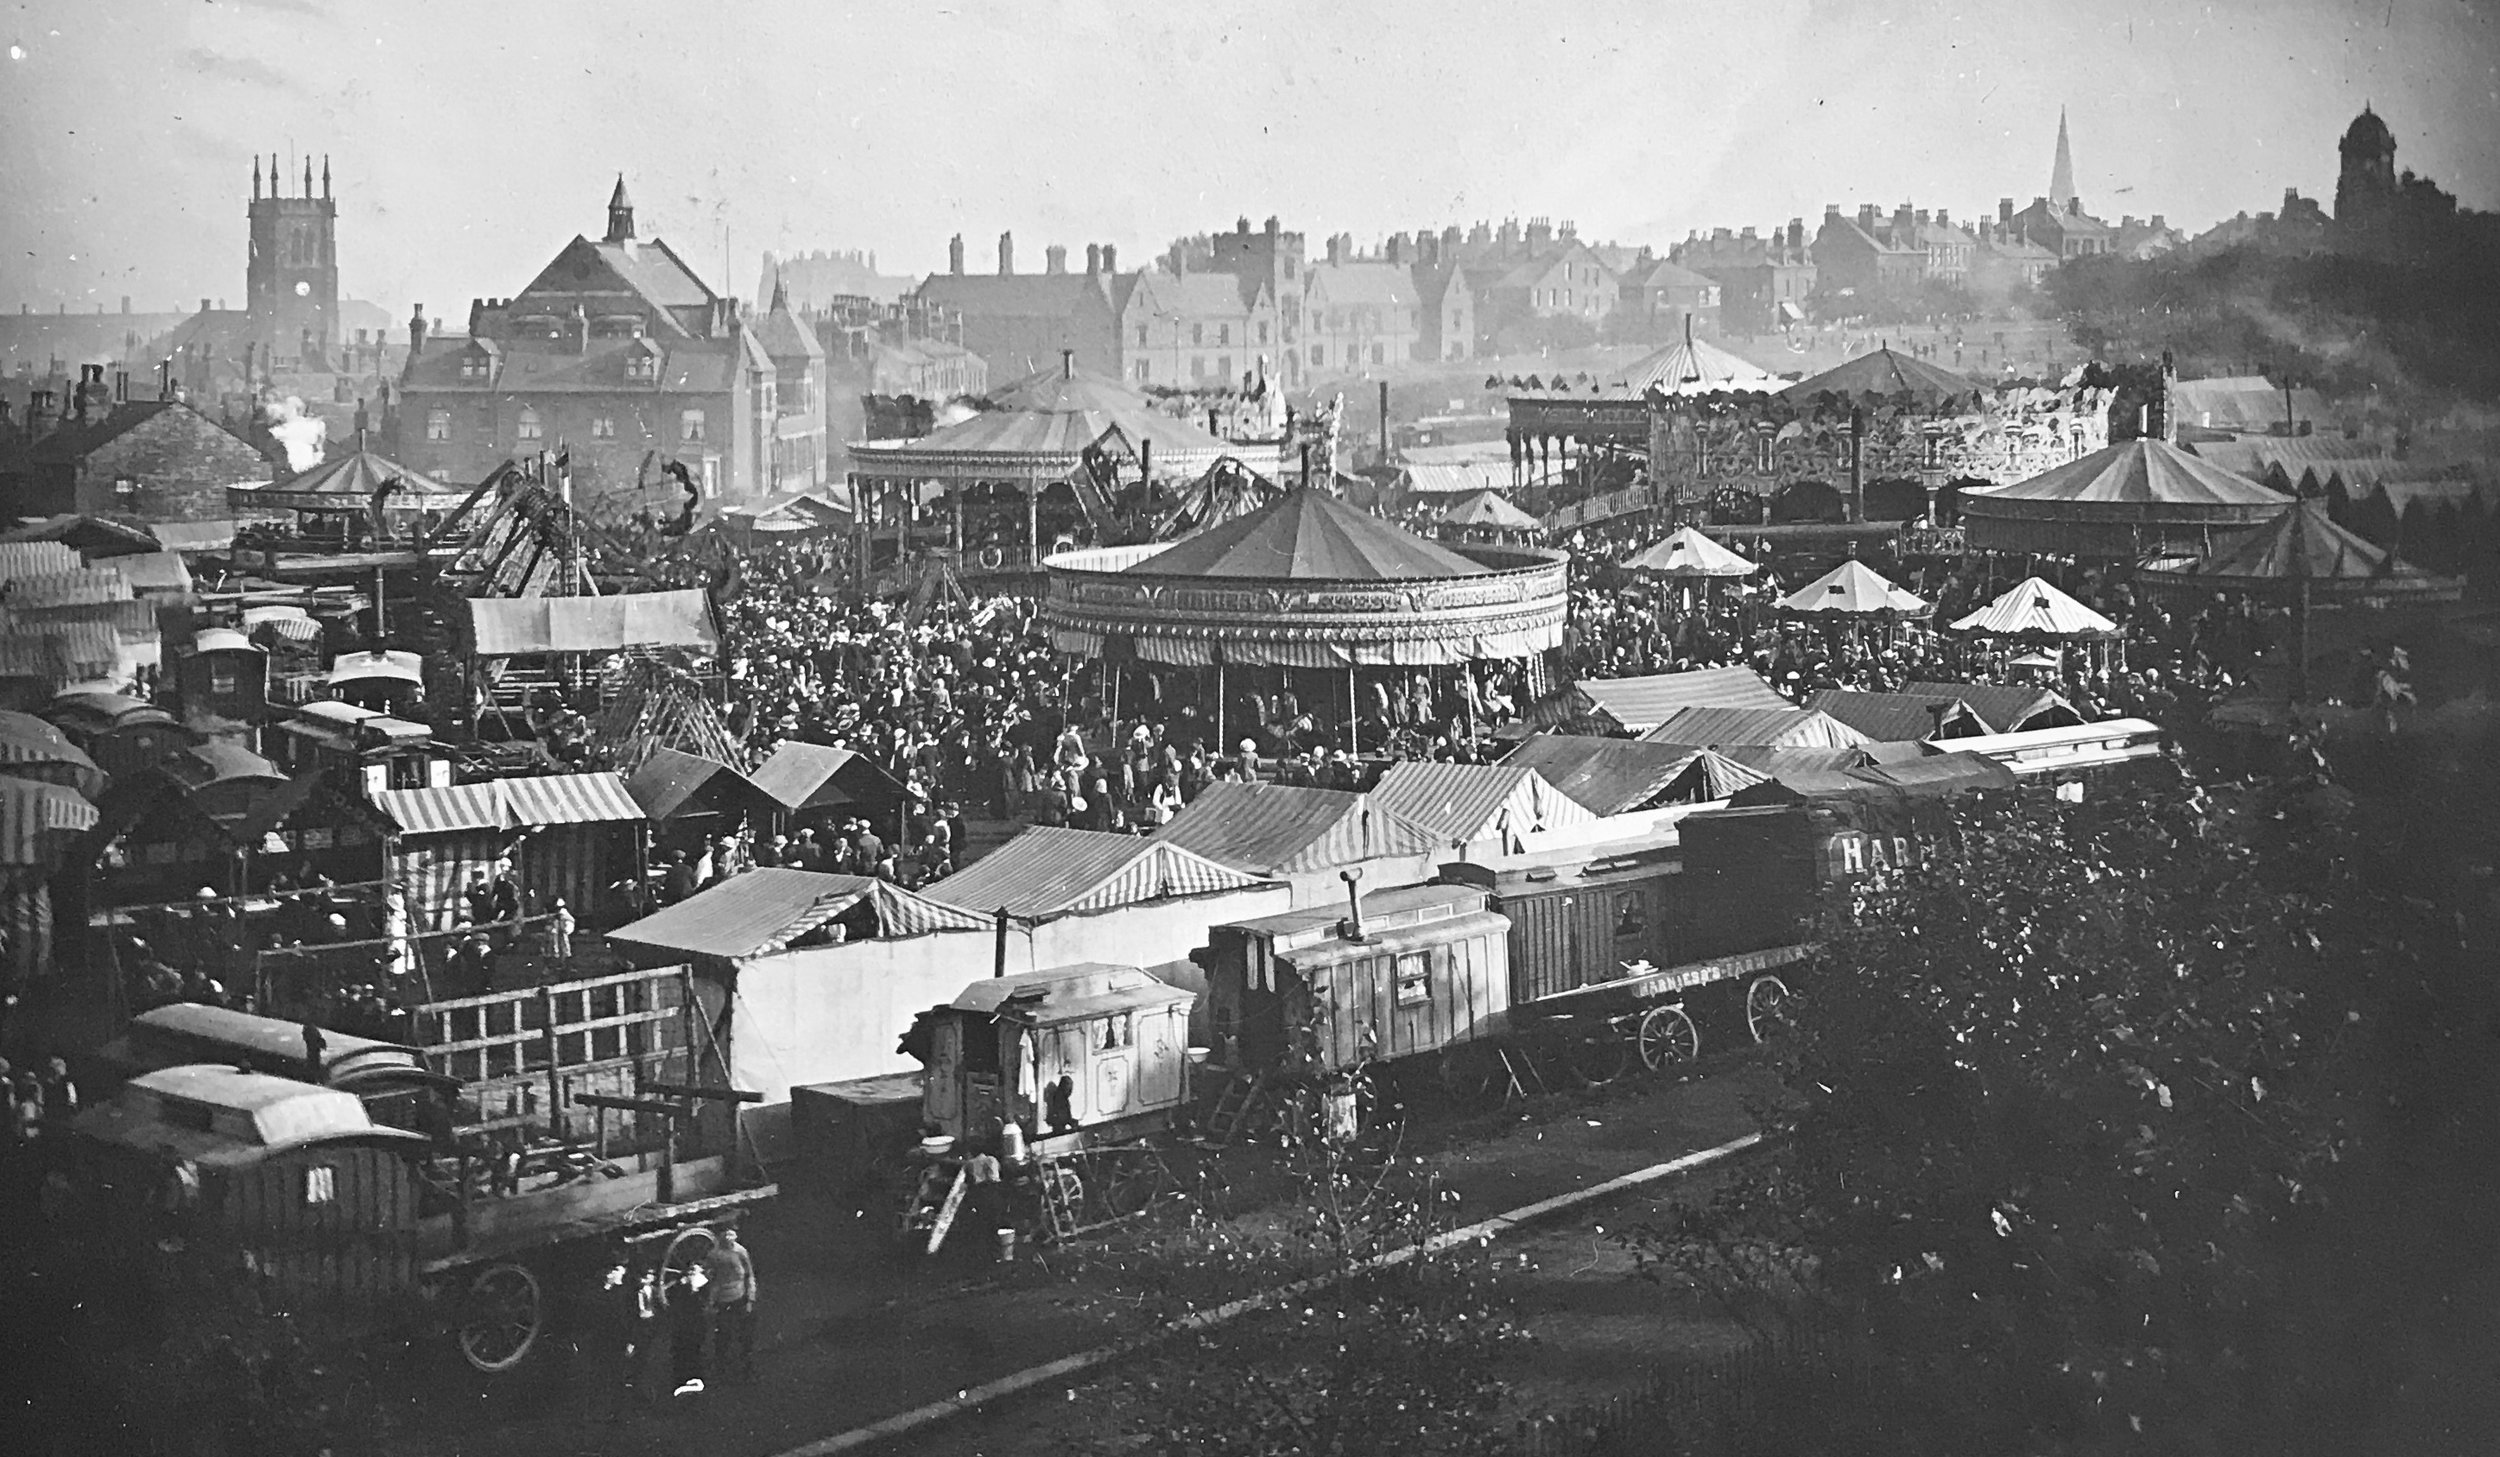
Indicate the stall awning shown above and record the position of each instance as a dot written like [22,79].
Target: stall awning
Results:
[766,909]
[29,810]
[509,804]
[673,782]
[1050,871]
[508,627]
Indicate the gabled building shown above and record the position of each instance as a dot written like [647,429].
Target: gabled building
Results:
[1553,278]
[1361,313]
[2068,232]
[1660,298]
[153,460]
[1860,255]
[1194,330]
[1764,282]
[1023,322]
[616,354]
[1446,306]
[798,443]
[1273,259]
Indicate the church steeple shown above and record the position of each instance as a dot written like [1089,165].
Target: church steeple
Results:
[2062,171]
[620,213]
[256,177]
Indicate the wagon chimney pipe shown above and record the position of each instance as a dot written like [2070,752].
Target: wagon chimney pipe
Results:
[1354,902]
[998,963]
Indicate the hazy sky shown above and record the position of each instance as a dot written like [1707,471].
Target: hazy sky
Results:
[470,140]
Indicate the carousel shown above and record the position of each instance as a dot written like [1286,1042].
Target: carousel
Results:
[1039,469]
[348,496]
[2135,499]
[1304,598]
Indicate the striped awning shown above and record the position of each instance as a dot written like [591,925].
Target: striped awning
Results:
[509,804]
[30,811]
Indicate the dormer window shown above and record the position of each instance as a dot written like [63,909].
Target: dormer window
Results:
[643,365]
[473,366]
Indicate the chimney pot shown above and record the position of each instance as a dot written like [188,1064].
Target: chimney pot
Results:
[1006,254]
[1110,258]
[955,255]
[1093,259]
[1055,258]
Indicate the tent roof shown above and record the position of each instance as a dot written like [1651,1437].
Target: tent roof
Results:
[2129,477]
[817,776]
[1856,588]
[30,809]
[1777,763]
[672,782]
[1051,871]
[2035,607]
[1886,373]
[1934,776]
[1645,702]
[1471,801]
[1784,727]
[1305,535]
[1896,717]
[2004,707]
[1688,553]
[1699,367]
[1611,776]
[1486,508]
[510,804]
[347,482]
[2301,545]
[763,910]
[1054,413]
[1273,829]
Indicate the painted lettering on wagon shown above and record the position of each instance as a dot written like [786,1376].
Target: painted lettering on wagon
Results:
[1854,852]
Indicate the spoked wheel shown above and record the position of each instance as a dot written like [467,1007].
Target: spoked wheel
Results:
[1600,1059]
[1129,1180]
[1766,1008]
[1668,1037]
[501,1316]
[686,1250]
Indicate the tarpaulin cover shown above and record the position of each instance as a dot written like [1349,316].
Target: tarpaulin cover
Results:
[1307,536]
[764,910]
[505,627]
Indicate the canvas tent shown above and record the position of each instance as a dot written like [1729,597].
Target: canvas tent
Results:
[1900,717]
[1616,776]
[1785,727]
[1074,895]
[1636,705]
[1466,803]
[2006,707]
[2034,609]
[514,627]
[1303,837]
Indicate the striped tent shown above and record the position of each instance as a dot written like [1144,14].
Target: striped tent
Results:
[1048,872]
[567,834]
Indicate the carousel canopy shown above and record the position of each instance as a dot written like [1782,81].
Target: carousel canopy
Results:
[1045,423]
[2036,608]
[1688,553]
[1887,374]
[1488,510]
[1853,589]
[1697,367]
[347,484]
[1306,581]
[2121,500]
[2301,547]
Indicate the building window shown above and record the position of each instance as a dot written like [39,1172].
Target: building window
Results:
[603,427]
[1141,336]
[473,366]
[1223,333]
[643,366]
[1319,355]
[1224,367]
[1116,1032]
[1145,369]
[223,680]
[1197,333]
[1197,366]
[1262,331]
[321,1184]
[1380,353]
[529,428]
[438,424]
[690,427]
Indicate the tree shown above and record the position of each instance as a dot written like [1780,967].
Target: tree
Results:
[2058,1089]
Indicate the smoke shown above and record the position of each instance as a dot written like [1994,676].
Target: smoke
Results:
[300,433]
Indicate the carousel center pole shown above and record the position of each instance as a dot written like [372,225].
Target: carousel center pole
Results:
[1353,714]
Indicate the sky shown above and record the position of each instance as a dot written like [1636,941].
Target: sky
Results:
[469,141]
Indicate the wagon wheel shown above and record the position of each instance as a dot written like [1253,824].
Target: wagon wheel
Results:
[1668,1036]
[1128,1180]
[1600,1059]
[1766,1008]
[501,1317]
[685,1252]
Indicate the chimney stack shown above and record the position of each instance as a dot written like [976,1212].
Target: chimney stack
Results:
[1055,259]
[955,255]
[1006,254]
[1395,249]
[1093,259]
[2005,211]
[42,415]
[416,332]
[1110,258]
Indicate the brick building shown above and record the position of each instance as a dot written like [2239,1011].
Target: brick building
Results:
[152,460]
[1860,255]
[1022,322]
[1764,282]
[1360,313]
[1659,298]
[1194,329]
[619,354]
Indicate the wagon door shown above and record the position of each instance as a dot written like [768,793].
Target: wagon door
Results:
[943,1104]
[1115,1063]
[1159,1056]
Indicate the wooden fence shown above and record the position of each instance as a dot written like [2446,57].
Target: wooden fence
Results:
[525,1056]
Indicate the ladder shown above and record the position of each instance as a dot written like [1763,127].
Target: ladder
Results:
[1234,1103]
[1061,1193]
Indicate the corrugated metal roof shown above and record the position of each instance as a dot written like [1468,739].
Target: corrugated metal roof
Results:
[1274,829]
[1610,776]
[70,588]
[1644,703]
[509,804]
[22,559]
[153,571]
[1898,717]
[1472,801]
[763,910]
[1049,871]
[1784,728]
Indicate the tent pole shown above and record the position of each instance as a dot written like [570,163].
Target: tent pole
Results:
[1353,714]
[2300,664]
[1220,741]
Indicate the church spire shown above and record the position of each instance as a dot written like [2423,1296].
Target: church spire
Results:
[2062,172]
[620,213]
[256,177]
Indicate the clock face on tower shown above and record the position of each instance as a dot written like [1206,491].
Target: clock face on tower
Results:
[302,289]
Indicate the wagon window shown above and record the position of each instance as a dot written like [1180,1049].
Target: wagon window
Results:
[321,1184]
[1116,1032]
[1414,979]
[980,1048]
[1631,919]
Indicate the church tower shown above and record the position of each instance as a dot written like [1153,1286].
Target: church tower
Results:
[2365,188]
[291,285]
[2062,171]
